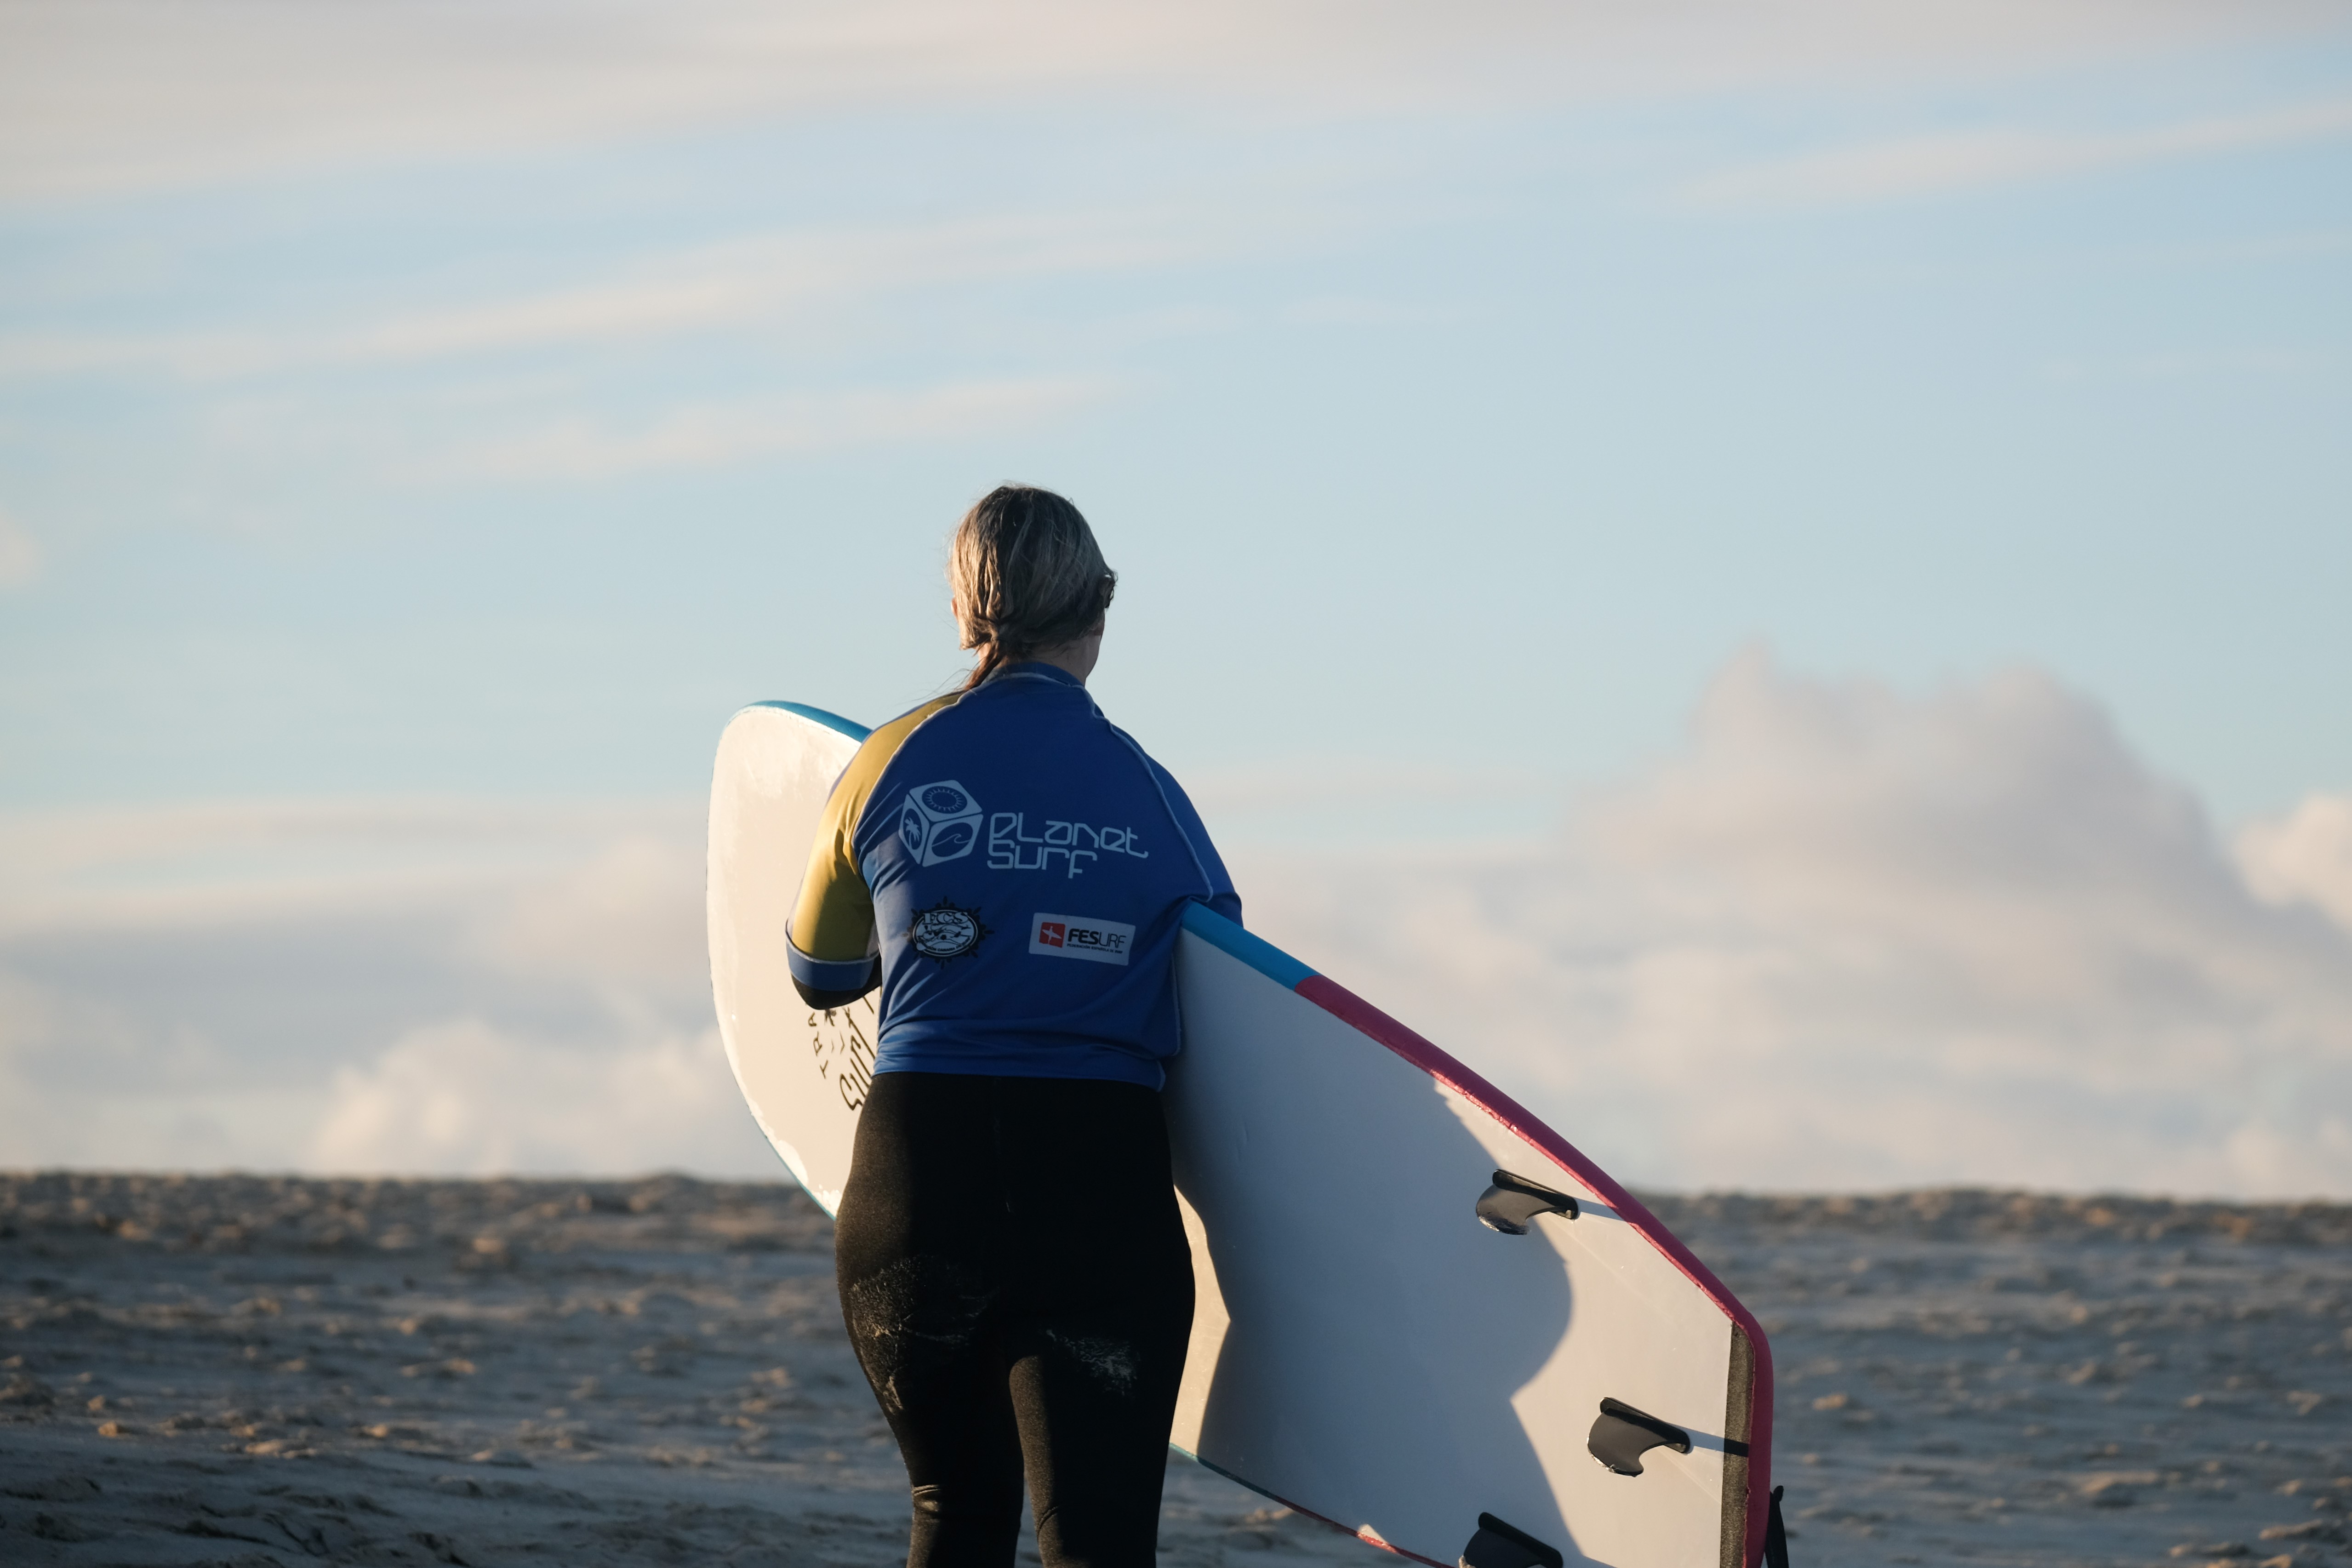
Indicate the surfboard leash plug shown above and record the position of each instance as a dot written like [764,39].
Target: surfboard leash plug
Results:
[1511,1205]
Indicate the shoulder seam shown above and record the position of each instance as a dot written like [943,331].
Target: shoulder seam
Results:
[922,713]
[1208,882]
[938,704]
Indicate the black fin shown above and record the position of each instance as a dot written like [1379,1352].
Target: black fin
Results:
[1511,1205]
[1500,1545]
[1776,1536]
[1621,1435]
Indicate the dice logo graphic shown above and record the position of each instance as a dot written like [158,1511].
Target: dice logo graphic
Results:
[940,822]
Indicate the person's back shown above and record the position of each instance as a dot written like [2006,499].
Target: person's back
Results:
[1013,871]
[1028,867]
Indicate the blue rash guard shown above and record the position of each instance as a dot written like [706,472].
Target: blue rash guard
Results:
[1013,870]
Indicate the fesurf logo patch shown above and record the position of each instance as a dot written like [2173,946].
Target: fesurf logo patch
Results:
[1080,937]
[939,823]
[945,931]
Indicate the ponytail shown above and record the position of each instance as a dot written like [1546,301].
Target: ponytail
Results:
[1027,576]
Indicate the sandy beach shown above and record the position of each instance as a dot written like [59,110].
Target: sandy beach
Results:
[259,1370]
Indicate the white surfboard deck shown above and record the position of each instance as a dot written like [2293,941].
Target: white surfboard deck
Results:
[1363,1349]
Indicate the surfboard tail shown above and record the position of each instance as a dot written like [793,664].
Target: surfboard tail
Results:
[1745,1440]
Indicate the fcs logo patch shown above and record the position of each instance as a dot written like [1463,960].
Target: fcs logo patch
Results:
[945,931]
[940,822]
[1076,937]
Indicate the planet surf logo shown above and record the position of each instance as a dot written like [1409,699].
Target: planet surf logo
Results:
[1078,937]
[1013,847]
[940,822]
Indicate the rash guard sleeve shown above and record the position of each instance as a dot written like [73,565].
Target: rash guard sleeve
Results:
[832,946]
[1217,884]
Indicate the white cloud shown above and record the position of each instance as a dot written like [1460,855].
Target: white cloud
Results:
[419,986]
[100,95]
[1373,801]
[20,553]
[1851,939]
[1925,165]
[461,1098]
[757,280]
[629,914]
[100,870]
[2304,857]
[1843,938]
[714,433]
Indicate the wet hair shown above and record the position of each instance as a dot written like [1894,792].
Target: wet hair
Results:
[1027,575]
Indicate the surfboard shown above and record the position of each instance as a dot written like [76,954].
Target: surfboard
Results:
[1423,1316]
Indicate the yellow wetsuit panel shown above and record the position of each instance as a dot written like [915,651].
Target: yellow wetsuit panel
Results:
[833,922]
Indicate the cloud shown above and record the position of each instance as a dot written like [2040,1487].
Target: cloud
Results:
[1850,939]
[1843,938]
[389,985]
[461,1098]
[20,553]
[715,433]
[1925,165]
[112,95]
[760,279]
[629,914]
[2304,857]
[1373,801]
[222,863]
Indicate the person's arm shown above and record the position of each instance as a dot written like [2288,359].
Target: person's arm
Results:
[1217,891]
[833,951]
[831,944]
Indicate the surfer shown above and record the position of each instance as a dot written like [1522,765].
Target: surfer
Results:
[1012,870]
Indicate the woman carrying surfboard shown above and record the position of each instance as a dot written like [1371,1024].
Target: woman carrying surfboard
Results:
[1012,870]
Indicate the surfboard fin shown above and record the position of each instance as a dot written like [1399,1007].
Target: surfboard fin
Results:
[1776,1535]
[1511,1205]
[1500,1545]
[1621,1435]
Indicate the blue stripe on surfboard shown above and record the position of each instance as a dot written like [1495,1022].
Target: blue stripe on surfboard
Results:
[1255,951]
[831,721]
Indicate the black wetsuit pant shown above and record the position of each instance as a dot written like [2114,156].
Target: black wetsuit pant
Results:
[1016,1283]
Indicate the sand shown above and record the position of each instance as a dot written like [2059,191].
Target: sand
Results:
[255,1371]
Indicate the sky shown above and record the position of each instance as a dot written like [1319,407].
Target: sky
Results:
[1739,505]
